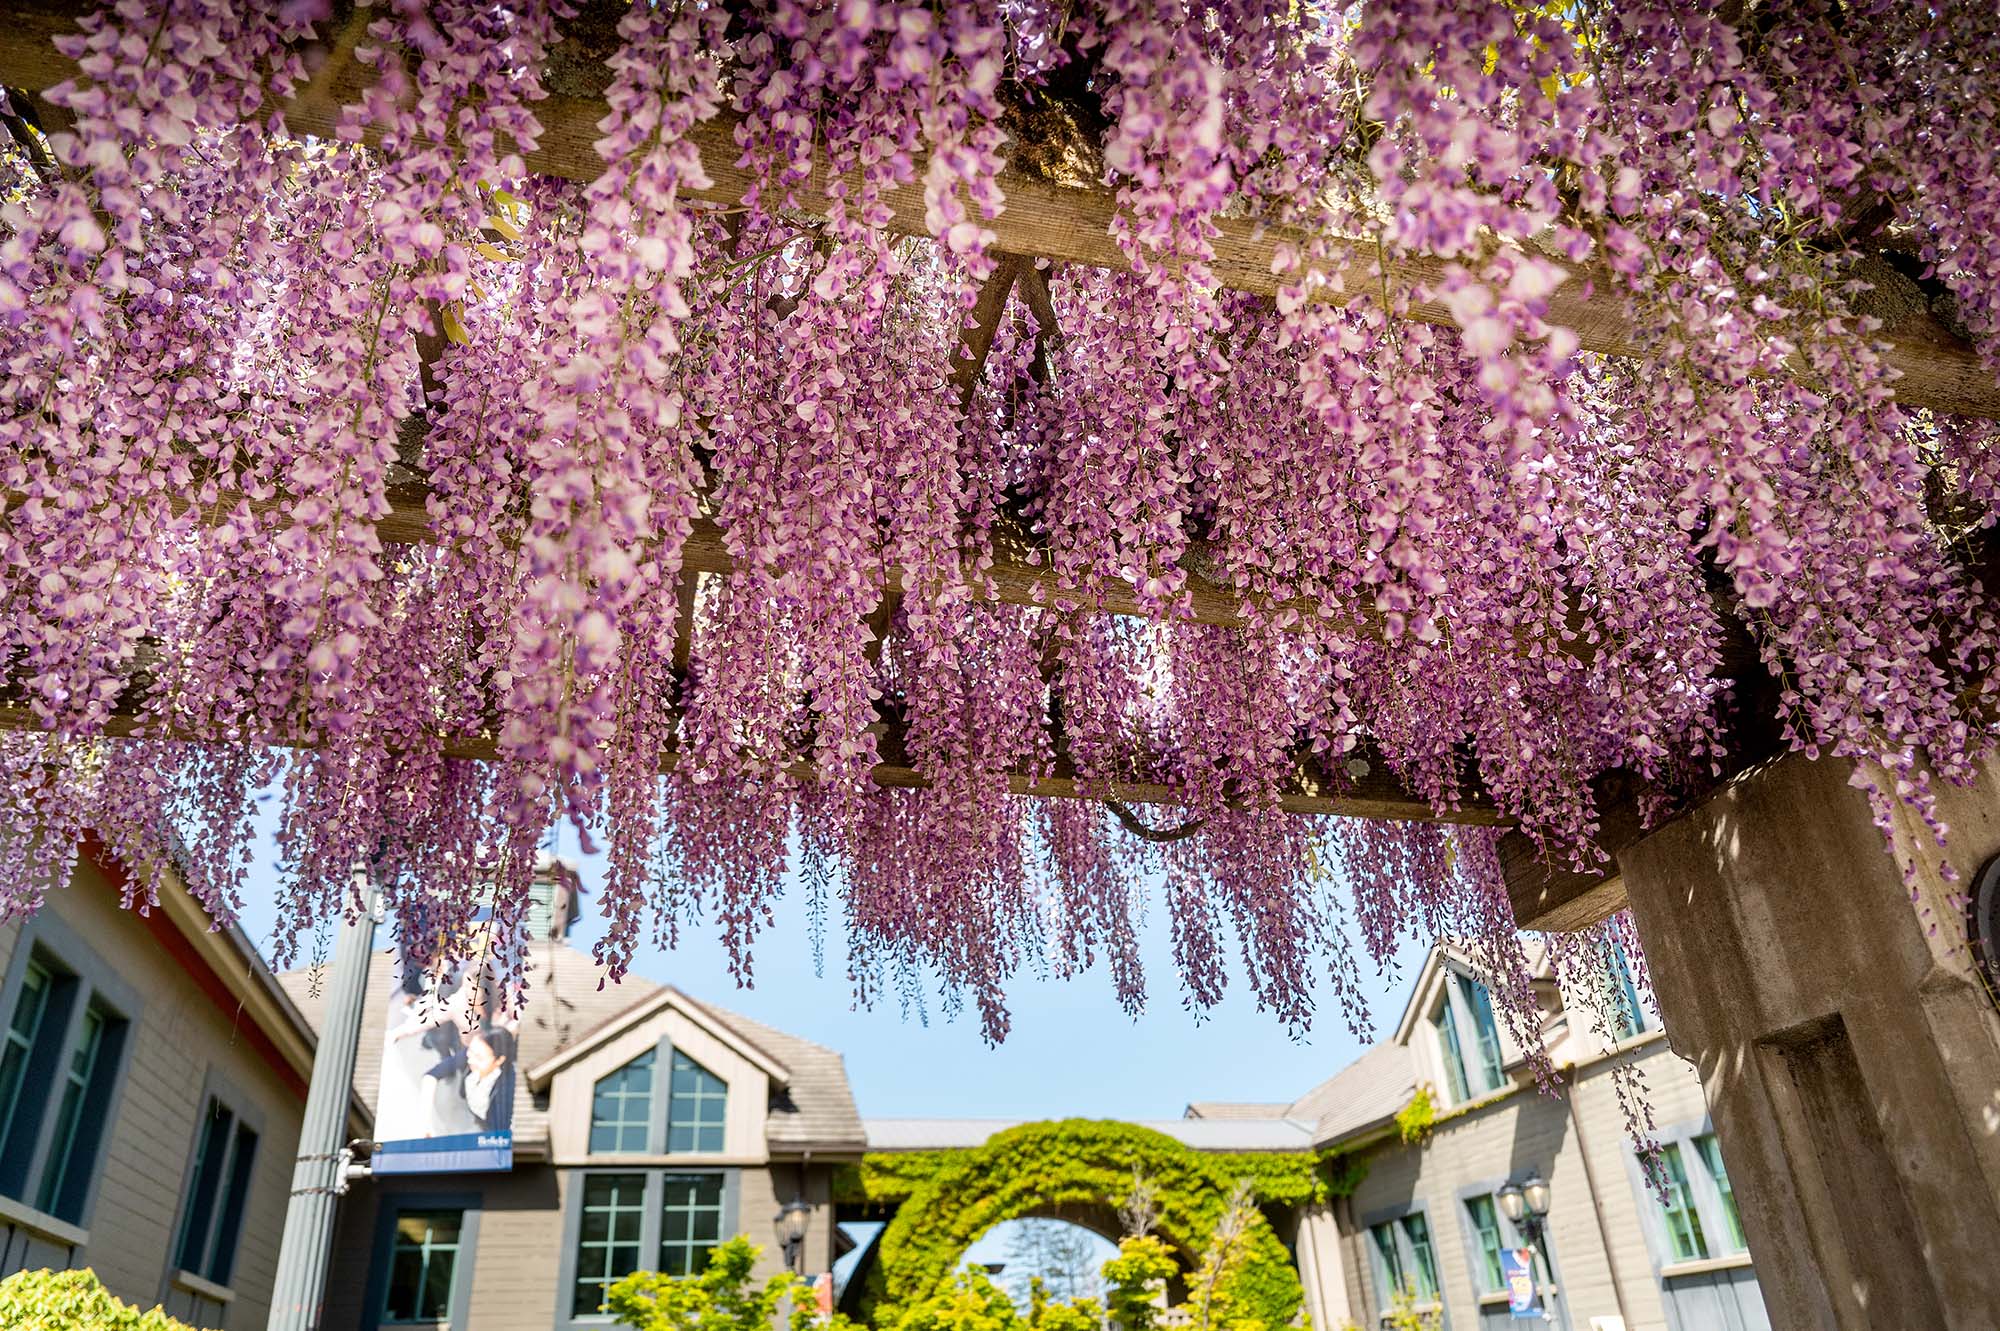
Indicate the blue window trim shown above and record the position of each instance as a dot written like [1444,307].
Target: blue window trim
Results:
[649,1232]
[392,1203]
[89,981]
[249,1114]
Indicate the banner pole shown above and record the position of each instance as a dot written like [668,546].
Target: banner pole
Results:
[319,1176]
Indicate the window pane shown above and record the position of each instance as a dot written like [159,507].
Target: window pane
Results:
[18,1046]
[1630,1016]
[1424,1264]
[1711,1158]
[607,1250]
[1388,1263]
[1486,1226]
[73,1146]
[696,1112]
[1489,1035]
[621,1108]
[1683,1220]
[229,1227]
[423,1259]
[1454,1055]
[690,1221]
[211,1146]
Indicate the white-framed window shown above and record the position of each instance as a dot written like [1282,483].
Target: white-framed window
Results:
[621,1108]
[617,1221]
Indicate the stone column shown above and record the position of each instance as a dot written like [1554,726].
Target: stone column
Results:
[1850,1054]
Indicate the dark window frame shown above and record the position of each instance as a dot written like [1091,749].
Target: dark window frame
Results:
[660,1112]
[573,1182]
[81,983]
[223,1233]
[390,1205]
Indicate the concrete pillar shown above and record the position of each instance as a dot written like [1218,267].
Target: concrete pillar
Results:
[1850,1055]
[1320,1269]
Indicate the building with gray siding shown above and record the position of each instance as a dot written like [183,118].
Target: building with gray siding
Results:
[152,1080]
[1426,1221]
[648,1126]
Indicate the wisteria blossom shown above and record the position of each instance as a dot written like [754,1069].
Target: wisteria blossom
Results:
[700,472]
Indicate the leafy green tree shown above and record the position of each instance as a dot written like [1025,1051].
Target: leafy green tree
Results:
[1135,1282]
[972,1302]
[720,1298]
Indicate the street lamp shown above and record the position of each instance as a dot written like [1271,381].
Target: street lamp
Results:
[791,1222]
[1526,1206]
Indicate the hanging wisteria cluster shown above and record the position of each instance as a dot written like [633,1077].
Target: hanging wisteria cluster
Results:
[353,456]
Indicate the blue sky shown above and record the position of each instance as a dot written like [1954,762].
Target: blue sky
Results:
[1071,1052]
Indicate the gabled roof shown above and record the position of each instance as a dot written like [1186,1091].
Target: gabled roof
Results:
[221,960]
[815,1110]
[663,998]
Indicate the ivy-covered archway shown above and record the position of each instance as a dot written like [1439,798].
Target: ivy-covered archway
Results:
[943,1201]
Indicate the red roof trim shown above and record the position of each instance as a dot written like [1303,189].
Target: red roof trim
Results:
[198,969]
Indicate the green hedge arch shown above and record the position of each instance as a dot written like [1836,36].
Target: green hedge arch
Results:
[945,1200]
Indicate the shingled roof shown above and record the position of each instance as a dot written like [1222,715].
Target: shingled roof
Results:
[816,1110]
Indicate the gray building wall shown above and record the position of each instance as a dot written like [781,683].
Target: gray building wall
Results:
[180,1044]
[1521,1130]
[516,1267]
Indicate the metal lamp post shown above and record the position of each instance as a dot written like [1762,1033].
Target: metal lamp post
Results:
[1526,1206]
[791,1223]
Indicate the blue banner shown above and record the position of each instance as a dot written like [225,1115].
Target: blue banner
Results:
[469,1153]
[1517,1268]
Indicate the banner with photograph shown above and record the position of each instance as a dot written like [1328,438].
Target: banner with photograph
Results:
[449,1065]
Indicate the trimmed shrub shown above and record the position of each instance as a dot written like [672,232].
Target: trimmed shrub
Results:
[73,1301]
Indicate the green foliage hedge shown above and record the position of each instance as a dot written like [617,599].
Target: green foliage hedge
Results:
[945,1200]
[73,1301]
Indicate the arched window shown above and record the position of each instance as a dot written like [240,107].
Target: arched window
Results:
[621,1109]
[700,1100]
[629,1116]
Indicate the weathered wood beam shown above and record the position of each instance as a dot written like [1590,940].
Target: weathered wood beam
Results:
[1062,221]
[1367,788]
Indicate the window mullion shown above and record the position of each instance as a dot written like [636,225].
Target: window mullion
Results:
[212,1247]
[649,1225]
[663,1094]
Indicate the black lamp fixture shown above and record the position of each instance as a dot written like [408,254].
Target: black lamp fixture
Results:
[1527,1204]
[792,1221]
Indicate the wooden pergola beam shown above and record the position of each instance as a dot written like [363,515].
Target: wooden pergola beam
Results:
[1367,789]
[1066,222]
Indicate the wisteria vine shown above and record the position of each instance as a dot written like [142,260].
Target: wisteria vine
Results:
[751,530]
